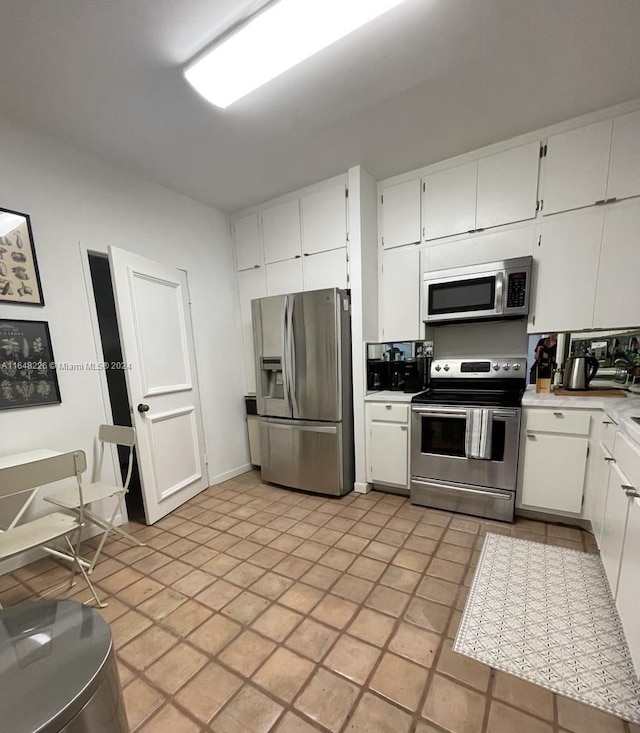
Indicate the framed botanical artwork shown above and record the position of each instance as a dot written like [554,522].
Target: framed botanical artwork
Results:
[27,369]
[19,276]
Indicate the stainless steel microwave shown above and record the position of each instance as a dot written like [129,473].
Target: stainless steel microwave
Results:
[487,291]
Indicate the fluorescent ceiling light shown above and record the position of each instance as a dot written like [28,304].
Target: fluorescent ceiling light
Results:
[276,39]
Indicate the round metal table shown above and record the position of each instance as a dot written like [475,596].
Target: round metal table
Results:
[58,671]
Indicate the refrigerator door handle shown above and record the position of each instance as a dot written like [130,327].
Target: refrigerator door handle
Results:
[291,357]
[285,356]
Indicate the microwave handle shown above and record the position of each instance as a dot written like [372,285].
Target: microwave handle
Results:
[499,289]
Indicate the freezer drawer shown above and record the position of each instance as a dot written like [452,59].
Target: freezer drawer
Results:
[303,455]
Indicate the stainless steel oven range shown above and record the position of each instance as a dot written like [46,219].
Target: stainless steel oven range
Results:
[464,436]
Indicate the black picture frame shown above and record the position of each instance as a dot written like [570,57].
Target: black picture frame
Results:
[19,274]
[28,376]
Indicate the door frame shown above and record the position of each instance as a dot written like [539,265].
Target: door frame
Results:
[85,250]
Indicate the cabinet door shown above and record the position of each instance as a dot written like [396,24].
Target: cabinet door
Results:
[613,526]
[284,277]
[388,454]
[247,241]
[599,483]
[401,214]
[281,232]
[449,201]
[400,296]
[324,220]
[554,471]
[617,302]
[251,284]
[576,168]
[567,268]
[326,270]
[628,597]
[624,166]
[508,186]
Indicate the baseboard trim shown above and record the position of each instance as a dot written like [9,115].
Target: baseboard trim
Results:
[230,474]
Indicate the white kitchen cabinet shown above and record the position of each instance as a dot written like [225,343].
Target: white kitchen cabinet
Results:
[324,219]
[616,301]
[628,597]
[281,232]
[284,277]
[576,168]
[400,205]
[600,479]
[566,273]
[508,186]
[325,270]
[399,290]
[554,471]
[624,165]
[387,426]
[449,201]
[251,284]
[614,525]
[247,241]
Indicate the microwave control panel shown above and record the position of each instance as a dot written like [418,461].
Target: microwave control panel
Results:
[516,289]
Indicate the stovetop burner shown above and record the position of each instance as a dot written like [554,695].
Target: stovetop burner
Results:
[488,382]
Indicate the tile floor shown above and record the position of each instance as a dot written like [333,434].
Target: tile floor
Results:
[257,609]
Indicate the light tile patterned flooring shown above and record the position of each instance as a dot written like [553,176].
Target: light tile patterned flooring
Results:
[257,609]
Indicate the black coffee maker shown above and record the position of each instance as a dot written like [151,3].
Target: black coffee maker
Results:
[416,374]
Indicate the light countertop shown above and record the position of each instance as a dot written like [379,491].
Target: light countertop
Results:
[619,409]
[389,395]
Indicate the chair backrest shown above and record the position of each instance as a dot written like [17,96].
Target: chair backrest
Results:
[117,435]
[28,476]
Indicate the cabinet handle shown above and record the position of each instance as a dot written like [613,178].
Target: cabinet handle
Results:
[531,436]
[611,200]
[403,427]
[558,414]
[609,459]
[388,407]
[607,422]
[256,267]
[600,202]
[630,491]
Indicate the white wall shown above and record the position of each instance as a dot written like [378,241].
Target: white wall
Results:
[75,199]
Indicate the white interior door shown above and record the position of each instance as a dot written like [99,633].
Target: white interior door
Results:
[154,321]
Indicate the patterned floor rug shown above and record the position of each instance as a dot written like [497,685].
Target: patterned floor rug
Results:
[546,614]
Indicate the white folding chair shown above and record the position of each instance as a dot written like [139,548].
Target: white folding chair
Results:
[111,435]
[27,479]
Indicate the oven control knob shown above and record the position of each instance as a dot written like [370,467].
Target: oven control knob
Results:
[506,367]
[438,367]
[496,367]
[515,367]
[446,367]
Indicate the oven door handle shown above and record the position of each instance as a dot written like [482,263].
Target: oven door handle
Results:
[504,495]
[438,411]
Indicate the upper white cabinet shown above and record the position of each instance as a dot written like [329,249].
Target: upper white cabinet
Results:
[576,168]
[281,232]
[617,304]
[251,284]
[449,201]
[566,273]
[324,220]
[284,277]
[247,239]
[400,206]
[593,164]
[508,186]
[326,270]
[624,166]
[400,296]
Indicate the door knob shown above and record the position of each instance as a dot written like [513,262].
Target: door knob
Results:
[143,408]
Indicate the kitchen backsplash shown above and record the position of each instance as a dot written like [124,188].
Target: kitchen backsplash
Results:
[493,338]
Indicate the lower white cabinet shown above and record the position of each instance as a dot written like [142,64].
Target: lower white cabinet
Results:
[388,444]
[613,525]
[553,459]
[628,598]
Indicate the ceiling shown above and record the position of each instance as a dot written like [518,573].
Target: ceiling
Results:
[428,80]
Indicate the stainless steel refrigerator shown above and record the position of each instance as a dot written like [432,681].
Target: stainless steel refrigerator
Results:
[304,392]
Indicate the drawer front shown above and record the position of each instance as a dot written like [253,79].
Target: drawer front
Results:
[389,412]
[558,421]
[628,459]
